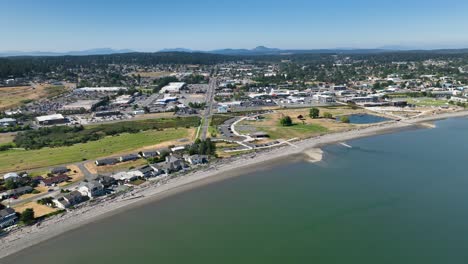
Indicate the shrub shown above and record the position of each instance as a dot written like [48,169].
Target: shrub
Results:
[344,119]
[328,115]
[286,121]
[314,112]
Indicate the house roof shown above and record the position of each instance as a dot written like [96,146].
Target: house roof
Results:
[19,190]
[56,179]
[6,212]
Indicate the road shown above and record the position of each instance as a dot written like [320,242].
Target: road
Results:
[209,100]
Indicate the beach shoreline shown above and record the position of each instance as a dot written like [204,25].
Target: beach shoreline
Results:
[105,207]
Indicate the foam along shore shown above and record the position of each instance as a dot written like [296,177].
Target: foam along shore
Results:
[25,237]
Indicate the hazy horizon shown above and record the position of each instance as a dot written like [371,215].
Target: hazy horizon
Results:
[143,25]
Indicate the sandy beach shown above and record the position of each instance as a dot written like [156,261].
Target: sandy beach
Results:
[308,149]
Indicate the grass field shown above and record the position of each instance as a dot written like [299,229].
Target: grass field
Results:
[158,74]
[39,210]
[16,96]
[16,160]
[6,138]
[302,128]
[426,101]
[296,130]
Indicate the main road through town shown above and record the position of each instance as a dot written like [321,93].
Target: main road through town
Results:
[209,107]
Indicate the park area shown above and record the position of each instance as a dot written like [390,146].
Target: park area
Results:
[303,126]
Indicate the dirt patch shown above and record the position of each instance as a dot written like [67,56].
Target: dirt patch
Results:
[39,210]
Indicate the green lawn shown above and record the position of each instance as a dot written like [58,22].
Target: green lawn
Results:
[426,101]
[296,130]
[15,160]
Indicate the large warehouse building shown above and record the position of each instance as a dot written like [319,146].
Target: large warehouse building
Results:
[51,120]
[173,87]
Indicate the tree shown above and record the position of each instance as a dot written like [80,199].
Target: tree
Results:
[10,184]
[344,119]
[314,112]
[286,121]
[328,115]
[27,217]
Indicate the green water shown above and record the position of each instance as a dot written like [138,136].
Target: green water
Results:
[397,198]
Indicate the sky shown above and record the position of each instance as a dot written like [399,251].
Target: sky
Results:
[151,25]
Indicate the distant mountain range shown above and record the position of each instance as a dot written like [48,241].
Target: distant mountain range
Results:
[260,50]
[101,51]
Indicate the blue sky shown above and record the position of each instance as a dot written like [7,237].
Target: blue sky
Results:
[144,25]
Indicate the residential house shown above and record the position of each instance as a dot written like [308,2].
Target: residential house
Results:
[127,176]
[11,176]
[196,159]
[173,164]
[69,199]
[91,189]
[51,181]
[8,217]
[129,157]
[146,171]
[149,154]
[107,181]
[163,151]
[106,162]
[16,192]
[158,169]
[59,170]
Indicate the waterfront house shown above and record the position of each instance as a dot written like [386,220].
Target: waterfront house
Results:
[196,159]
[127,176]
[69,199]
[158,169]
[91,189]
[8,218]
[173,164]
[146,171]
[107,181]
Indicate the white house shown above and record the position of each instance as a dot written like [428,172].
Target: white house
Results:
[11,175]
[91,189]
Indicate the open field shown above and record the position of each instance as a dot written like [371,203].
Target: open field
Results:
[39,210]
[152,74]
[16,96]
[426,101]
[119,167]
[6,137]
[14,160]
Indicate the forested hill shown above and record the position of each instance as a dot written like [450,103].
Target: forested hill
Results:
[27,66]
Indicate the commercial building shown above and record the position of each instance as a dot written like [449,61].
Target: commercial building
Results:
[86,105]
[173,87]
[48,120]
[6,122]
[123,100]
[102,89]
